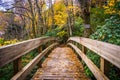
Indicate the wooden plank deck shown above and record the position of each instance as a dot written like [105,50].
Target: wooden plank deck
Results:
[61,64]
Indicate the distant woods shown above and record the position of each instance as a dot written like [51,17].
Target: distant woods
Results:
[33,18]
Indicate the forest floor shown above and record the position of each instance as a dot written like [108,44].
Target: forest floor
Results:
[61,64]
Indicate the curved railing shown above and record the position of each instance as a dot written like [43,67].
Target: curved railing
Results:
[106,51]
[14,52]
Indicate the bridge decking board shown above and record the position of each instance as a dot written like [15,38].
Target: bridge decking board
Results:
[61,64]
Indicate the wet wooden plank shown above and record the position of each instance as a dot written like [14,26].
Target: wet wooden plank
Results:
[11,52]
[97,73]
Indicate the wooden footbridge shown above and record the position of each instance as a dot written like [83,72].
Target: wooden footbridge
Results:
[62,62]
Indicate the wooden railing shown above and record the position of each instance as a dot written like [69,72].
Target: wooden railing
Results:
[14,52]
[106,51]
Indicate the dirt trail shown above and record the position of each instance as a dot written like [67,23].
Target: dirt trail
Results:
[61,64]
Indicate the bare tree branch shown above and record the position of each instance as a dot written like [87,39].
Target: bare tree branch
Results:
[18,14]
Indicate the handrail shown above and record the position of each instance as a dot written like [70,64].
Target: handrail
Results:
[94,69]
[14,52]
[24,72]
[11,52]
[107,51]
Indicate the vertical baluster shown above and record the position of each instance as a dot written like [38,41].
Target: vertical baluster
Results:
[39,51]
[83,49]
[17,65]
[104,66]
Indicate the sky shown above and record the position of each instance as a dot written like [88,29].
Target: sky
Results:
[8,4]
[4,4]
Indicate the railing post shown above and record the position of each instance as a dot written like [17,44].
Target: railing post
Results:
[39,51]
[17,65]
[104,66]
[83,49]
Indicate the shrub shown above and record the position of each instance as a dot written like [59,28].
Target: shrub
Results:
[58,32]
[97,17]
[109,32]
[4,42]
[78,29]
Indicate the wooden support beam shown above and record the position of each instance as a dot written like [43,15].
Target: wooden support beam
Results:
[83,49]
[104,66]
[17,65]
[39,51]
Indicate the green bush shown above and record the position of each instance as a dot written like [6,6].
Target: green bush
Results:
[4,42]
[97,17]
[52,32]
[1,41]
[78,29]
[6,72]
[59,32]
[109,32]
[95,59]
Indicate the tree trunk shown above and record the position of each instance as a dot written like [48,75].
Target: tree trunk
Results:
[72,18]
[85,6]
[68,20]
[39,10]
[33,18]
[52,11]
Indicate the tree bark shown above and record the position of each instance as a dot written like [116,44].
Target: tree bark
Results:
[40,21]
[52,13]
[33,18]
[68,20]
[85,6]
